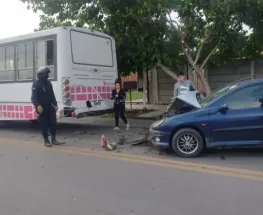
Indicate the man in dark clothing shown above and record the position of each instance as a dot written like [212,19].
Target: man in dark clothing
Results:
[44,100]
[119,96]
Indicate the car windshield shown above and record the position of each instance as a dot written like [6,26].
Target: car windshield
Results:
[219,92]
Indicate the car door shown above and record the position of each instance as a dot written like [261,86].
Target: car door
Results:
[242,122]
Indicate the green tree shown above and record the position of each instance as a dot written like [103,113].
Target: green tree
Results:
[206,31]
[251,14]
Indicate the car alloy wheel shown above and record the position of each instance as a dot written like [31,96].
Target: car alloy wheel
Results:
[187,143]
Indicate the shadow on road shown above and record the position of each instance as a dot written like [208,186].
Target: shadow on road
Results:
[32,126]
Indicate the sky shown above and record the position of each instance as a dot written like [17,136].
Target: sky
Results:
[15,19]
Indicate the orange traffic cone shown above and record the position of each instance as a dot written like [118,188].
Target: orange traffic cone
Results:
[103,141]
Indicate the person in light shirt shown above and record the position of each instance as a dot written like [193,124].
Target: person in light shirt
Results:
[182,86]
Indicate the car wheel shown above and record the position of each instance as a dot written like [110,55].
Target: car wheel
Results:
[187,143]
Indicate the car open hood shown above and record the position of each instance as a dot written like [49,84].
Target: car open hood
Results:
[190,98]
[182,104]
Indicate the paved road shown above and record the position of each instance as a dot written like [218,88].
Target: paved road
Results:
[69,180]
[86,133]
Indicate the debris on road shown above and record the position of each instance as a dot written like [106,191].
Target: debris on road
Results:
[139,142]
[108,146]
[79,132]
[111,146]
[160,153]
[76,133]
[103,141]
[144,139]
[121,139]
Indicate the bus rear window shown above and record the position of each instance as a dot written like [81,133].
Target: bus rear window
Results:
[90,49]
[45,55]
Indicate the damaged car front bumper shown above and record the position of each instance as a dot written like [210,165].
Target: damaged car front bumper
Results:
[158,138]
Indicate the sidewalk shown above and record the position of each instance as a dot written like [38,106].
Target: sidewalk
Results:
[154,110]
[148,106]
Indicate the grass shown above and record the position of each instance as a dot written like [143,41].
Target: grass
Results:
[135,95]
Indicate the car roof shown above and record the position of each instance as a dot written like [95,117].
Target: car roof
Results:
[249,82]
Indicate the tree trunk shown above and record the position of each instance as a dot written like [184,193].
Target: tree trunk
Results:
[144,90]
[191,74]
[167,71]
[198,70]
[202,77]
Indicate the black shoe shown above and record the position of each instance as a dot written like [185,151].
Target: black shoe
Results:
[56,143]
[47,143]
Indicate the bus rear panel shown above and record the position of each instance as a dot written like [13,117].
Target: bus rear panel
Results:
[87,89]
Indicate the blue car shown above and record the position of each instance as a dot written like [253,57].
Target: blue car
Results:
[231,116]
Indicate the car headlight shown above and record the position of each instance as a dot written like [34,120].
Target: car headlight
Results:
[157,123]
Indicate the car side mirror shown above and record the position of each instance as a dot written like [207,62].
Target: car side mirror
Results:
[223,108]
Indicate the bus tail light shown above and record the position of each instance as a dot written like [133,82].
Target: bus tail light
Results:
[67,95]
[66,91]
[66,81]
[66,88]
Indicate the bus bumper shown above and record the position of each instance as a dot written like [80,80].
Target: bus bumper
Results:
[91,113]
[93,108]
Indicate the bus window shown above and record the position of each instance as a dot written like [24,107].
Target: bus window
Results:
[9,58]
[25,61]
[2,58]
[45,55]
[89,49]
[7,55]
[50,53]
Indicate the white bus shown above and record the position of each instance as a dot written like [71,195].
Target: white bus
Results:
[83,68]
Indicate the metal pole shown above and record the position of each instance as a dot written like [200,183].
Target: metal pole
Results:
[252,70]
[130,98]
[144,91]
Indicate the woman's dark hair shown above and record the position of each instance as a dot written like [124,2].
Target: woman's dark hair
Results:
[117,82]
